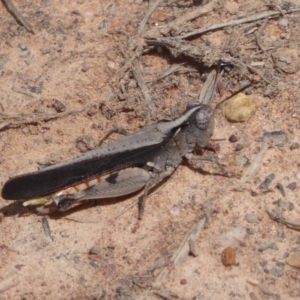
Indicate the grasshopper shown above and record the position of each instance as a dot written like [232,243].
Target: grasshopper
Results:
[136,161]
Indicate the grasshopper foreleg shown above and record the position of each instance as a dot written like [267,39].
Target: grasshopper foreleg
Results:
[194,162]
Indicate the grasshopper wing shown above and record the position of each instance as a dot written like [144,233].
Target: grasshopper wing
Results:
[115,156]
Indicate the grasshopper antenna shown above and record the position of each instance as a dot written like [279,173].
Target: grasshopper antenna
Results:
[232,95]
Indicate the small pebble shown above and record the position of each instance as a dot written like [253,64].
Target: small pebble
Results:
[280,187]
[294,146]
[76,12]
[292,186]
[286,59]
[241,107]
[23,46]
[283,22]
[45,51]
[197,2]
[85,67]
[270,91]
[284,205]
[95,251]
[263,263]
[48,139]
[93,110]
[183,281]
[159,263]
[103,25]
[228,256]
[85,143]
[132,83]
[265,185]
[36,89]
[275,137]
[58,105]
[280,264]
[233,138]
[276,272]
[214,147]
[252,281]
[293,260]
[251,218]
[272,280]
[256,78]
[25,53]
[285,255]
[267,245]
[253,193]
[81,37]
[250,231]
[239,147]
[111,65]
[253,296]
[294,275]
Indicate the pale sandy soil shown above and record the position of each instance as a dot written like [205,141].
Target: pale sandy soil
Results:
[77,48]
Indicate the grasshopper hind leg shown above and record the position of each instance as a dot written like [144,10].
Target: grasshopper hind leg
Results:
[159,177]
[121,183]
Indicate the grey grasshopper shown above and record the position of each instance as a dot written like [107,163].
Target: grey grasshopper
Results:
[137,161]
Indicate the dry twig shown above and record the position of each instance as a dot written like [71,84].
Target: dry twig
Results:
[137,71]
[17,14]
[283,221]
[191,237]
[25,119]
[259,16]
[181,21]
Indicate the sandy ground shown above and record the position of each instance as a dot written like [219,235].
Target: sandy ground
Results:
[75,57]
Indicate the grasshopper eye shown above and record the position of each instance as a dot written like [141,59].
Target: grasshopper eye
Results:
[203,117]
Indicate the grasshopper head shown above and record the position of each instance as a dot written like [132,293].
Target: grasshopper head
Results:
[201,123]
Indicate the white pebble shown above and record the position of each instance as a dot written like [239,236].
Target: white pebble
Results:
[111,65]
[283,22]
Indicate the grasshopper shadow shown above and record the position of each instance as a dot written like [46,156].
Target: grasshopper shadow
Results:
[17,209]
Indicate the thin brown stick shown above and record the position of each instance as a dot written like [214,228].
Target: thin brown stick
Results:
[137,72]
[259,16]
[283,221]
[147,16]
[34,119]
[83,220]
[170,71]
[258,34]
[254,70]
[17,14]
[138,51]
[184,249]
[181,21]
